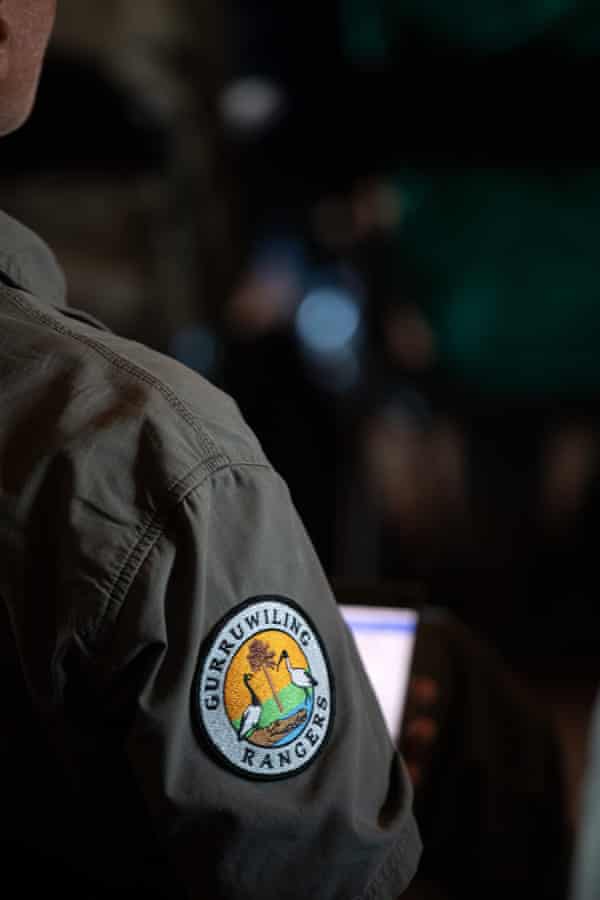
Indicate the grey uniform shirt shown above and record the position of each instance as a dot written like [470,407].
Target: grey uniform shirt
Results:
[197,693]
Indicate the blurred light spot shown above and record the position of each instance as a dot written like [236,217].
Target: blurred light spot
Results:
[376,206]
[409,338]
[280,253]
[328,320]
[343,372]
[197,347]
[269,289]
[251,103]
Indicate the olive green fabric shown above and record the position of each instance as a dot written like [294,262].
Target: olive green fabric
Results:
[506,267]
[156,513]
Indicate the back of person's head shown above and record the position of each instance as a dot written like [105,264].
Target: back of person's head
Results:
[25,28]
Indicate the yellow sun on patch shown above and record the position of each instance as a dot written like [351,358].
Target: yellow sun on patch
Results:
[259,657]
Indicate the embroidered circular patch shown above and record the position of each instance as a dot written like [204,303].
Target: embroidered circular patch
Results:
[263,696]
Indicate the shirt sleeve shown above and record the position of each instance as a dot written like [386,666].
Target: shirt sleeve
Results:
[259,783]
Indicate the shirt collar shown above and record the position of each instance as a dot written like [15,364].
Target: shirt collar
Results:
[27,262]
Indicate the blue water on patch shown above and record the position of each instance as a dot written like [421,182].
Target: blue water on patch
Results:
[308,706]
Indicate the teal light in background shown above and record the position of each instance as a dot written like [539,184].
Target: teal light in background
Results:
[363,31]
[506,266]
[488,25]
[579,33]
[372,27]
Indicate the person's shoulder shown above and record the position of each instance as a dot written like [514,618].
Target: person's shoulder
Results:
[132,391]
[102,440]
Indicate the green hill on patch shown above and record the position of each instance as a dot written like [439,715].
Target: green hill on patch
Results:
[290,697]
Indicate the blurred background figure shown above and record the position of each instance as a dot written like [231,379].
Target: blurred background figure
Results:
[487,768]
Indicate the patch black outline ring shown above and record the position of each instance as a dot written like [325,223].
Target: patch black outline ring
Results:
[202,734]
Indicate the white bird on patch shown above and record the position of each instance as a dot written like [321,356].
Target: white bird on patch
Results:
[251,714]
[300,677]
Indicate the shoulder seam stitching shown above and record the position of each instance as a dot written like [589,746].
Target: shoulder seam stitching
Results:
[152,532]
[119,362]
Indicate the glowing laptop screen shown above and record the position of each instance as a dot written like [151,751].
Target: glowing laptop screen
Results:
[385,638]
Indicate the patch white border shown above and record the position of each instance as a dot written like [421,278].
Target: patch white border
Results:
[250,618]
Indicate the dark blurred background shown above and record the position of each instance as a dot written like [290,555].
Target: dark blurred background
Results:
[375,224]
